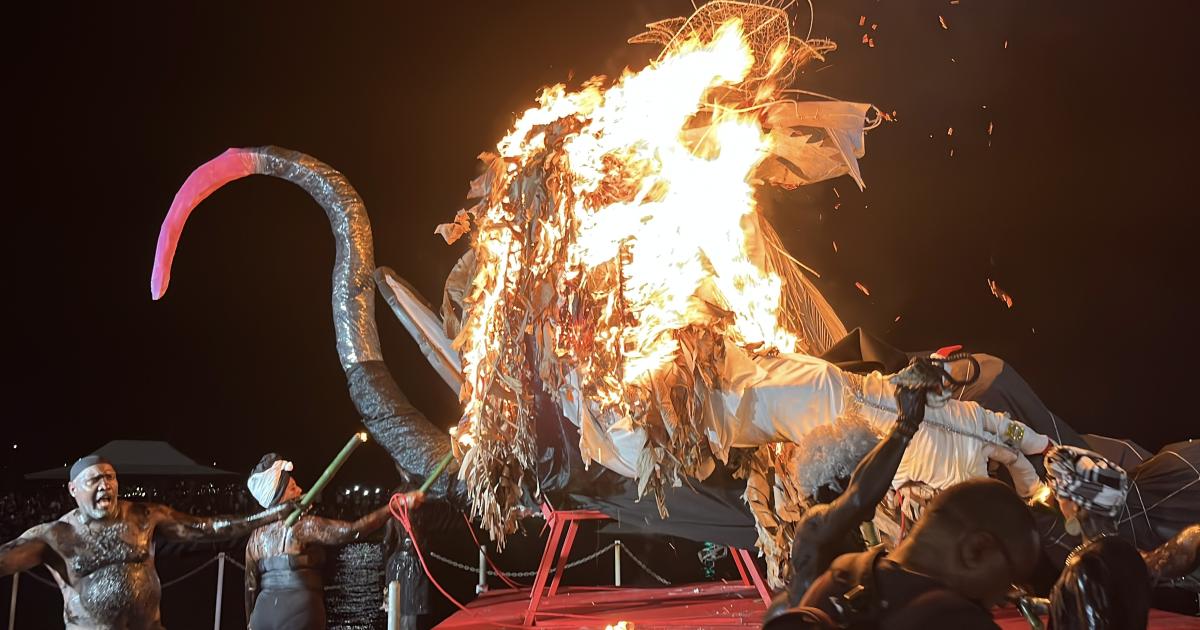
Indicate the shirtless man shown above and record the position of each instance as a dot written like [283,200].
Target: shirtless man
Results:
[102,552]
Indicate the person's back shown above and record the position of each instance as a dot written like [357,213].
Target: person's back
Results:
[974,541]
[284,590]
[898,599]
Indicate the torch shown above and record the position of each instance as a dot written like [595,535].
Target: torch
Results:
[437,471]
[326,476]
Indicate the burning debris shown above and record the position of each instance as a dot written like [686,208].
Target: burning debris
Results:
[999,293]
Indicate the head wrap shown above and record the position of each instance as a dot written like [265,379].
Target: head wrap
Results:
[85,462]
[269,479]
[1086,478]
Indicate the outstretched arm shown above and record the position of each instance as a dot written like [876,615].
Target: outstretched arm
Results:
[1177,557]
[325,531]
[177,526]
[25,552]
[826,525]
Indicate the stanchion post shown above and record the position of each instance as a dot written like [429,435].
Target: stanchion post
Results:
[617,563]
[393,605]
[12,606]
[220,590]
[481,587]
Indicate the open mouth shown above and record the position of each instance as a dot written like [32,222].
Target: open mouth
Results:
[104,501]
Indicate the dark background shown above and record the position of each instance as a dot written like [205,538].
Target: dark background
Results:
[1078,204]
[1080,208]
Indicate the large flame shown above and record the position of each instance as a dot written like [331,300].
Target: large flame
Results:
[668,207]
[619,258]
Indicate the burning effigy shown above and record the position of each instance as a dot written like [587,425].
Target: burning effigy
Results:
[621,281]
[616,229]
[619,263]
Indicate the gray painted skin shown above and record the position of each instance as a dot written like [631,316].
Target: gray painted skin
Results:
[102,552]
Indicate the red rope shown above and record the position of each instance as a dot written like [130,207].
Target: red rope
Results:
[399,510]
[500,574]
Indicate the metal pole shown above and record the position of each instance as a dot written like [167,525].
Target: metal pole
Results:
[12,606]
[220,589]
[617,563]
[482,586]
[393,605]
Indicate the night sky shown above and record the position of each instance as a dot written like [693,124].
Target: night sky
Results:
[1079,207]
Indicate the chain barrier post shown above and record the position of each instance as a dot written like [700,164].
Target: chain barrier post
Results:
[12,606]
[220,590]
[617,563]
[393,605]
[481,586]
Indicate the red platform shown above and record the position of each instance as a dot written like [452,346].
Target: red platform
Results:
[566,523]
[716,605]
[1010,619]
[704,605]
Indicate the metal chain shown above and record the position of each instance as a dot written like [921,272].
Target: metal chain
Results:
[645,568]
[470,569]
[458,565]
[190,573]
[987,437]
[40,579]
[173,582]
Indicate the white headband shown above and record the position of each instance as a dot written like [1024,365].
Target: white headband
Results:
[267,486]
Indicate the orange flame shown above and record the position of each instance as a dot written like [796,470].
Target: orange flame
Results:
[658,190]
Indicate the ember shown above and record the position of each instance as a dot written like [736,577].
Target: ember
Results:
[1000,294]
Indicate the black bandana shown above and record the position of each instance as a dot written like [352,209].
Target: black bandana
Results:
[83,463]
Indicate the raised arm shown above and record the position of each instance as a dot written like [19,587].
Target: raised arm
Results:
[325,531]
[874,474]
[177,526]
[826,525]
[25,552]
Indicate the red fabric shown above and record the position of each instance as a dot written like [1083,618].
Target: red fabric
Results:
[949,350]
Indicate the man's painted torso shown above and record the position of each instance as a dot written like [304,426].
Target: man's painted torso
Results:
[110,579]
